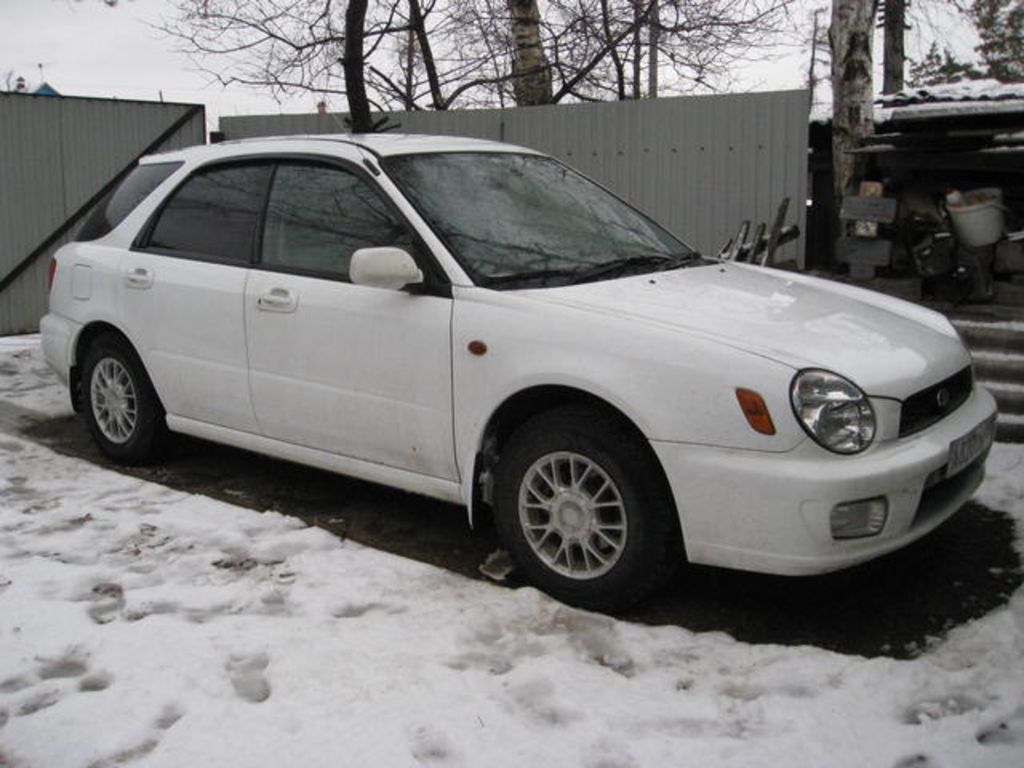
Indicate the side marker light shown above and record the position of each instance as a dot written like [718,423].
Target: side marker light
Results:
[754,408]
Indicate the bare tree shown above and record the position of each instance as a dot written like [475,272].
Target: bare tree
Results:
[437,54]
[352,63]
[894,22]
[851,35]
[673,44]
[819,53]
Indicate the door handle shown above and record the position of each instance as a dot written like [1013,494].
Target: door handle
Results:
[278,300]
[139,277]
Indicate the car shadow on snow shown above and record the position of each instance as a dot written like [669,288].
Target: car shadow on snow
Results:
[895,606]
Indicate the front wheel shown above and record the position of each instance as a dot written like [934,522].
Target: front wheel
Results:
[583,511]
[122,409]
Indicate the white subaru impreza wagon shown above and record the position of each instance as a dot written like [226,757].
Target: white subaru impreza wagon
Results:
[479,323]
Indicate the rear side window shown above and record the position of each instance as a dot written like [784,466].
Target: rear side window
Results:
[214,214]
[124,198]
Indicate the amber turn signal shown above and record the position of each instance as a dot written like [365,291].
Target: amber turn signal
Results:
[755,410]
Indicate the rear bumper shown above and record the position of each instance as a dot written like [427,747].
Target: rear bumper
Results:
[770,512]
[58,335]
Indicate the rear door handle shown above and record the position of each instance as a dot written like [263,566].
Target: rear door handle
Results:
[139,277]
[278,300]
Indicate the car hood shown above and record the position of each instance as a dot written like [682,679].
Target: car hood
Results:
[888,347]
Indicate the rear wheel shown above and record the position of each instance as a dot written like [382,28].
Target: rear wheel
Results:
[122,409]
[583,511]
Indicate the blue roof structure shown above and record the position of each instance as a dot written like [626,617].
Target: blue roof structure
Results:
[46,90]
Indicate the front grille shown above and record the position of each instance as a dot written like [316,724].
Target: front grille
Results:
[924,408]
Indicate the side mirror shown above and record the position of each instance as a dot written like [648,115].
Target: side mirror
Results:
[390,268]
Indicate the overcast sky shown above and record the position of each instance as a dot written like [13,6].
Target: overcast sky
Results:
[87,49]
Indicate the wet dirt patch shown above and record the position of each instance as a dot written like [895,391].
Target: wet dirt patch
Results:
[895,606]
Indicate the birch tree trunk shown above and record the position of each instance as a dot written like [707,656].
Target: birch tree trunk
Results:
[852,114]
[532,82]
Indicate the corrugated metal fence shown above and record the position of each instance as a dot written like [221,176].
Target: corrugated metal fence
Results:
[697,164]
[57,155]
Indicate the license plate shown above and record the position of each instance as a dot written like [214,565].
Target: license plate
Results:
[966,449]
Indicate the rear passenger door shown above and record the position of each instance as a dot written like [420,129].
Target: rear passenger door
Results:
[357,371]
[184,288]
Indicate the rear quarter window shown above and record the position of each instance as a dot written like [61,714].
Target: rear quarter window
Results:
[124,198]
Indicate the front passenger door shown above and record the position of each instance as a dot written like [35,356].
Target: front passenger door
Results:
[357,371]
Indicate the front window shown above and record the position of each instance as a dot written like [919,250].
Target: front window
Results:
[515,220]
[318,216]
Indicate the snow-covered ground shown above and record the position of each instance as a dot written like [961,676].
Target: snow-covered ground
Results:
[144,626]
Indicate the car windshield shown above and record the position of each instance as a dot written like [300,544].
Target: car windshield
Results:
[515,219]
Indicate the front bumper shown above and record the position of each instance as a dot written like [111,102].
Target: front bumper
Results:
[770,512]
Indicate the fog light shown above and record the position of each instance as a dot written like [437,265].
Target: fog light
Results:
[855,519]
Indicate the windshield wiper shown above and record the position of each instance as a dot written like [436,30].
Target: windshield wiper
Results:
[663,262]
[541,276]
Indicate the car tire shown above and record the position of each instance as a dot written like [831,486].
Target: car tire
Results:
[584,511]
[122,409]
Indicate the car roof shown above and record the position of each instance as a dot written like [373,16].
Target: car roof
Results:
[380,144]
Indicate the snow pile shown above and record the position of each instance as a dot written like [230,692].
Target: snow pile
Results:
[26,382]
[144,626]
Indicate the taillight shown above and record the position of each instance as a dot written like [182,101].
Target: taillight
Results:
[51,273]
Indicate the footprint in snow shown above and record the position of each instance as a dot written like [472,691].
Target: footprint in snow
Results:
[108,600]
[15,684]
[98,681]
[38,701]
[1009,731]
[355,610]
[247,678]
[126,755]
[429,745]
[939,708]
[168,717]
[72,663]
[915,761]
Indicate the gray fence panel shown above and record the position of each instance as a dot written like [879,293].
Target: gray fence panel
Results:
[55,154]
[698,164]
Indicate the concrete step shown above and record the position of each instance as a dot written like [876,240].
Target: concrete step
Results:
[998,366]
[1010,397]
[1010,429]
[998,336]
[1008,293]
[991,312]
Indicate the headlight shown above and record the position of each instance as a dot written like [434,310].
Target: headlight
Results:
[833,411]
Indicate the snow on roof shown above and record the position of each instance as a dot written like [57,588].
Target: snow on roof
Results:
[933,110]
[960,99]
[964,90]
[967,97]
